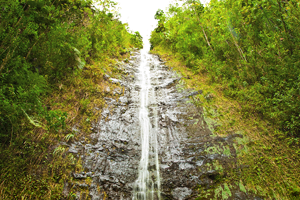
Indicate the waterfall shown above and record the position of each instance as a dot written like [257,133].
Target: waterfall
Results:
[147,186]
[150,143]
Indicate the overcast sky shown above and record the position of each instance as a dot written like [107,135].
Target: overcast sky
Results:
[139,14]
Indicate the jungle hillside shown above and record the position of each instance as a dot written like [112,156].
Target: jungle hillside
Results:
[57,58]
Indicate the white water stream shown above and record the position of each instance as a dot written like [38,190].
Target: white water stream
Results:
[145,146]
[147,186]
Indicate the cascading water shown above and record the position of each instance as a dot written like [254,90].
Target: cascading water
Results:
[147,186]
[150,142]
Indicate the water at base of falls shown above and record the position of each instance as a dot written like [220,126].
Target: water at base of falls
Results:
[147,186]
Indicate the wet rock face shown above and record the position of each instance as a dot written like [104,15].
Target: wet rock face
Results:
[112,159]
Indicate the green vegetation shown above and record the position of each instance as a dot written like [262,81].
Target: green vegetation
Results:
[267,165]
[245,55]
[53,55]
[251,48]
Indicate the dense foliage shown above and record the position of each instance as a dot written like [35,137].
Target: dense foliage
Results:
[250,47]
[43,42]
[53,54]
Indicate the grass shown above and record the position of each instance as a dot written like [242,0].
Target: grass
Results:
[37,165]
[269,166]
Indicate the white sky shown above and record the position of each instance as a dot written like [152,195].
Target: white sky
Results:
[139,14]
